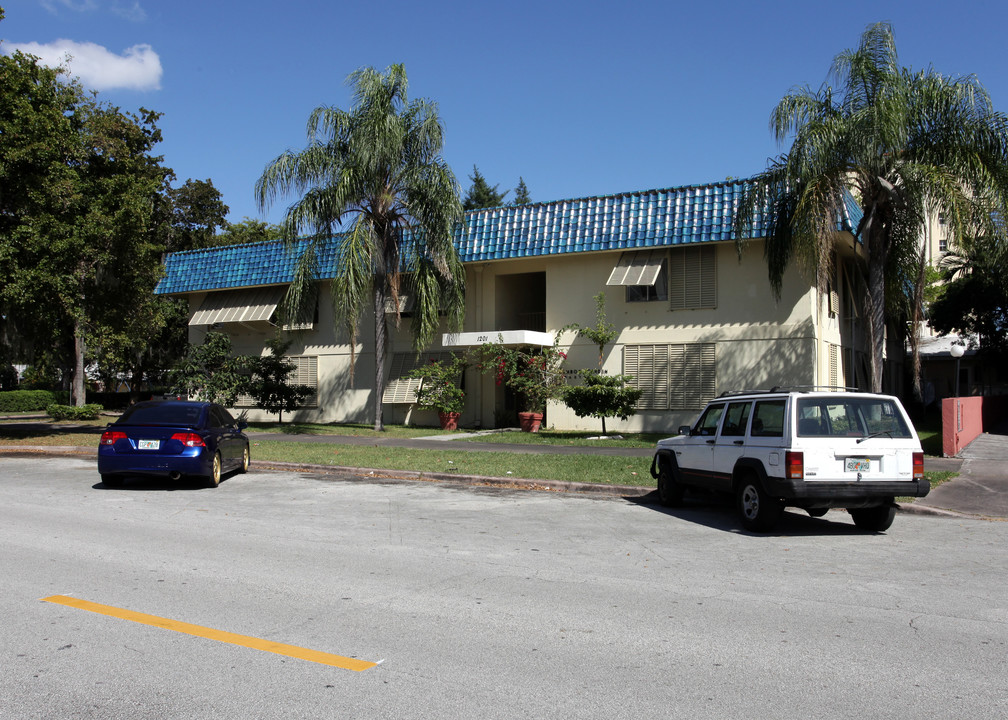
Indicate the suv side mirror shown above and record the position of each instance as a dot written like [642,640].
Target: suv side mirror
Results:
[685,429]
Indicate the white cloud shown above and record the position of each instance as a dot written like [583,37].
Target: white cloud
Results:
[138,68]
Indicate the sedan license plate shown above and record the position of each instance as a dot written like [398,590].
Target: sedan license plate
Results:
[149,444]
[854,464]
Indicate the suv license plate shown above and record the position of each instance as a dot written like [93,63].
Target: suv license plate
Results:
[853,464]
[156,445]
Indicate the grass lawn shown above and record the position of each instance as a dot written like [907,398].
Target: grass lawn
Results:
[569,468]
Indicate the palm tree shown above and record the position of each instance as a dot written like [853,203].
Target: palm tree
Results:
[905,144]
[377,167]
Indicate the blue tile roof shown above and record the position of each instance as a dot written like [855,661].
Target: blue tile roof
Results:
[645,219]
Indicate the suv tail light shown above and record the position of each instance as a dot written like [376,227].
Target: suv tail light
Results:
[918,465]
[109,437]
[795,462]
[189,439]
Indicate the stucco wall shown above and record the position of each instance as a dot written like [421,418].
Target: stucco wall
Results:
[760,342]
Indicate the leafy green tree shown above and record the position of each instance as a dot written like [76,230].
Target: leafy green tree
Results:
[380,166]
[973,300]
[480,194]
[907,144]
[521,196]
[602,396]
[79,185]
[196,211]
[248,231]
[209,372]
[270,384]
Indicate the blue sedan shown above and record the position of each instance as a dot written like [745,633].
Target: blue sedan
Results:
[173,439]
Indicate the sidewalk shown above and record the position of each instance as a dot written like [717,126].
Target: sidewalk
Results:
[982,485]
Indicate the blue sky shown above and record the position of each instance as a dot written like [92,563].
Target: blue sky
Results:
[579,98]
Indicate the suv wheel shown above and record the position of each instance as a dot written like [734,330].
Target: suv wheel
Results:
[874,519]
[670,490]
[758,511]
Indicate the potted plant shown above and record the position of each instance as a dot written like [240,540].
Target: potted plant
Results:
[440,389]
[534,374]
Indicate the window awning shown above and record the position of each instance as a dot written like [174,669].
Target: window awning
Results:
[637,268]
[238,306]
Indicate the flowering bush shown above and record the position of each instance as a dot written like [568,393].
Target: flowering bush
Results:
[440,388]
[535,375]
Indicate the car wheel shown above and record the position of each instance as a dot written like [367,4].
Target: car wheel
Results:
[758,511]
[670,490]
[215,470]
[111,481]
[874,519]
[245,460]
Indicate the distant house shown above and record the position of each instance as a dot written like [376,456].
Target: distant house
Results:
[694,318]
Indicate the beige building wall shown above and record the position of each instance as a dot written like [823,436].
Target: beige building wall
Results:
[759,342]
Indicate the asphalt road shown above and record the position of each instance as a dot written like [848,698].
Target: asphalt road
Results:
[482,603]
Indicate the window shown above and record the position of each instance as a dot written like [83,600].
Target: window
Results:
[305,372]
[650,293]
[707,425]
[693,278]
[736,419]
[672,377]
[850,417]
[768,418]
[644,275]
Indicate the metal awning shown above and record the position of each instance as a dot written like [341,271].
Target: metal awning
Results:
[502,337]
[637,268]
[255,305]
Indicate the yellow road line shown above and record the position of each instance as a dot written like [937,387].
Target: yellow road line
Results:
[211,634]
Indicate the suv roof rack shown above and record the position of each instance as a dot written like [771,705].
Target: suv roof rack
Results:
[812,388]
[729,393]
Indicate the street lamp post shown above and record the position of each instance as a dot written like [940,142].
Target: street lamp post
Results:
[957,351]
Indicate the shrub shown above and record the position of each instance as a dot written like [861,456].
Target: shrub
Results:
[14,401]
[70,412]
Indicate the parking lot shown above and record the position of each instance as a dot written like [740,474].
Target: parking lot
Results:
[482,602]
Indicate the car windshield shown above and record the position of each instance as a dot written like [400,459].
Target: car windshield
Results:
[162,414]
[850,417]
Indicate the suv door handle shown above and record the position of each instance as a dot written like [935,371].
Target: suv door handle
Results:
[710,442]
[740,442]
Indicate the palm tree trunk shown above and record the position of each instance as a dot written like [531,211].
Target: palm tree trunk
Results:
[380,334]
[876,309]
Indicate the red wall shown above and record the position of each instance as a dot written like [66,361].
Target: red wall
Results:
[962,422]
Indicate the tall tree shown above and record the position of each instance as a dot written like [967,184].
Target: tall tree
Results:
[906,144]
[973,299]
[480,194]
[521,196]
[378,167]
[248,231]
[196,211]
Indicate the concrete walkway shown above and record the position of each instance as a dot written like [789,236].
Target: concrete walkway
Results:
[982,485]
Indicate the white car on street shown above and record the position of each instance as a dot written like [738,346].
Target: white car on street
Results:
[810,449]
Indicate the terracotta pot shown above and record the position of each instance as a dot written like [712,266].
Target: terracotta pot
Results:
[449,420]
[530,421]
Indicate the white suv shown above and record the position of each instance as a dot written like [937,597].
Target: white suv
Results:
[810,449]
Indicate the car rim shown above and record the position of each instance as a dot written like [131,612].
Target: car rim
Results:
[245,459]
[750,502]
[216,469]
